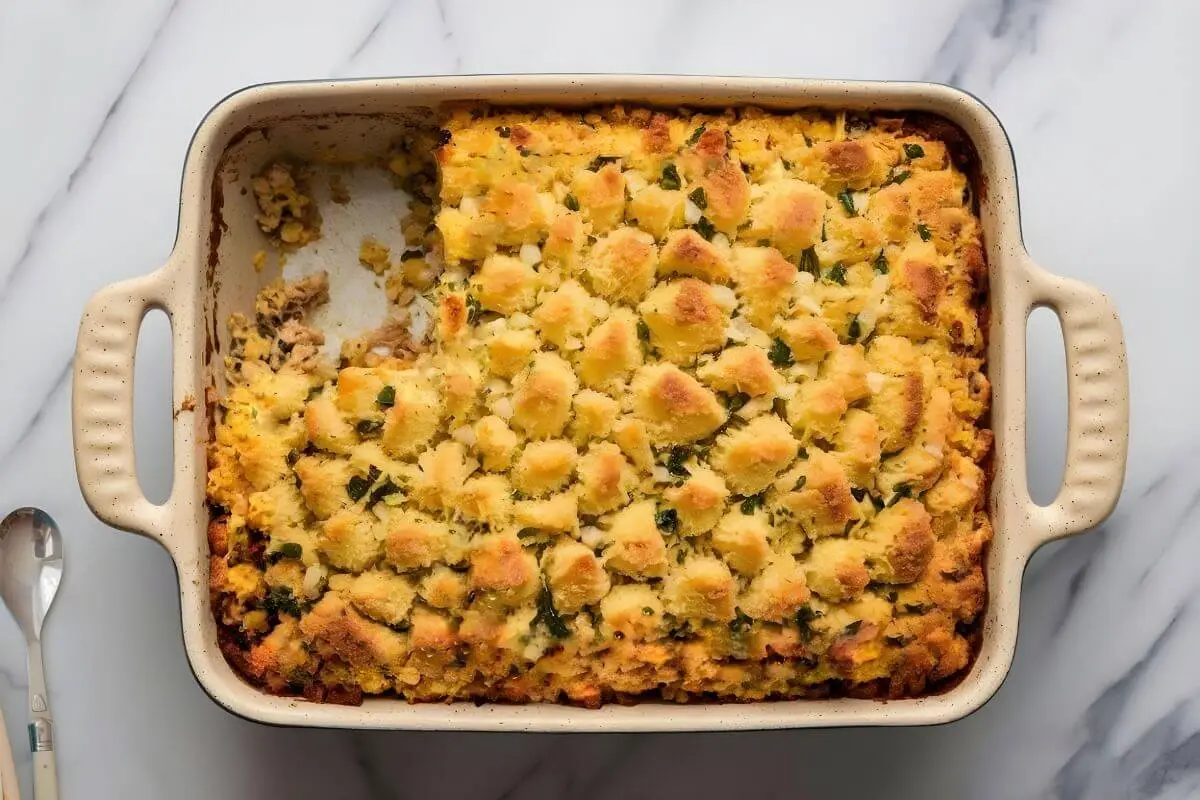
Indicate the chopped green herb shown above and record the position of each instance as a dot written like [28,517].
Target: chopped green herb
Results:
[315,391]
[504,131]
[810,263]
[846,198]
[670,178]
[357,488]
[570,202]
[382,491]
[737,401]
[681,631]
[786,164]
[780,354]
[853,627]
[837,274]
[600,161]
[474,309]
[750,503]
[912,151]
[803,479]
[740,622]
[279,600]
[902,490]
[823,229]
[807,141]
[647,611]
[858,493]
[804,617]
[524,151]
[369,427]
[680,557]
[898,177]
[881,265]
[675,462]
[705,228]
[292,457]
[291,550]
[518,495]
[643,330]
[854,330]
[926,234]
[779,407]
[387,396]
[548,615]
[695,137]
[667,520]
[698,197]
[411,255]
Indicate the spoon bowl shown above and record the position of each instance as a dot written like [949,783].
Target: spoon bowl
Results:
[31,566]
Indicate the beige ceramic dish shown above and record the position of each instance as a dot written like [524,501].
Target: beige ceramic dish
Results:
[208,276]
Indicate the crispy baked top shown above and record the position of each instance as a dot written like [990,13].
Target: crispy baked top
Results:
[698,415]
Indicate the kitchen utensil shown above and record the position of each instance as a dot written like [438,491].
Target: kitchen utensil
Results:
[31,567]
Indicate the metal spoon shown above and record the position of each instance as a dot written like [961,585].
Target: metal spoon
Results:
[31,566]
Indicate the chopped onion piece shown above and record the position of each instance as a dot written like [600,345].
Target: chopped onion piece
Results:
[634,181]
[465,434]
[691,212]
[591,536]
[725,297]
[809,305]
[531,254]
[469,206]
[312,579]
[875,381]
[503,408]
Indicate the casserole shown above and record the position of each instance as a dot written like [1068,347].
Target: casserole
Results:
[207,276]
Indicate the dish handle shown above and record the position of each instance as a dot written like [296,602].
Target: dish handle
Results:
[1097,406]
[102,404]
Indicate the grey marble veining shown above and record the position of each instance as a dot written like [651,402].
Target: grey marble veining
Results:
[1103,700]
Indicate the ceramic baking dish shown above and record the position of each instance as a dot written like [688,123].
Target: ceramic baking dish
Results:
[208,275]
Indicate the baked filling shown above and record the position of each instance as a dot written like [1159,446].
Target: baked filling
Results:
[698,416]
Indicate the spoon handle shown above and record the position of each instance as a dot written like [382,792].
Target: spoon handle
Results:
[41,729]
[8,770]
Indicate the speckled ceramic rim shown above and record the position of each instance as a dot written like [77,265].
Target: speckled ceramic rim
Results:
[1097,388]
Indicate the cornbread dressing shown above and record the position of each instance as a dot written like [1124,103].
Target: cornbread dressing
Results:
[700,415]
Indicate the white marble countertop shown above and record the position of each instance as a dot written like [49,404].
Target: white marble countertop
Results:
[1104,698]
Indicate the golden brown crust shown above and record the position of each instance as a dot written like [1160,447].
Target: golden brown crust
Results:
[700,417]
